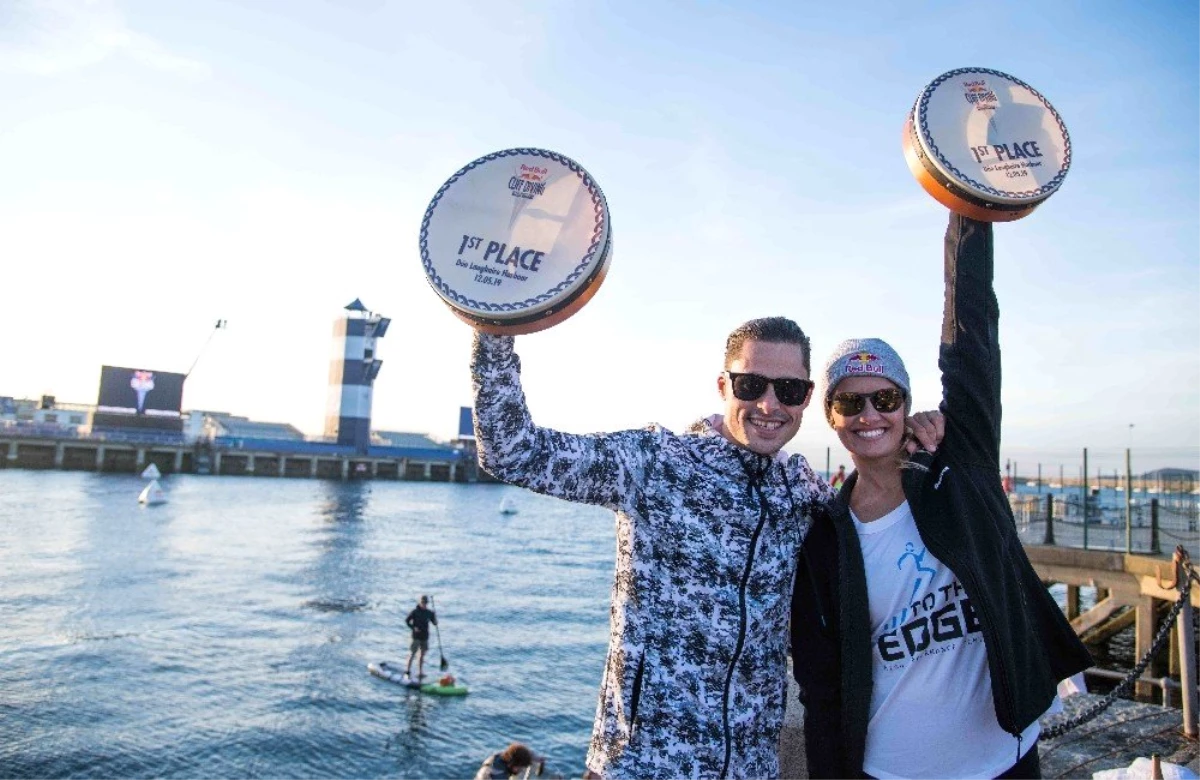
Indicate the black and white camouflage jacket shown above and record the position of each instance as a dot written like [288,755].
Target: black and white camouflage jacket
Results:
[707,539]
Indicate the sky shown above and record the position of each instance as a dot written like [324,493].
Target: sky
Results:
[166,165]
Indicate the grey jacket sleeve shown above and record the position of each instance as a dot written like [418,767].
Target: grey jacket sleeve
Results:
[602,469]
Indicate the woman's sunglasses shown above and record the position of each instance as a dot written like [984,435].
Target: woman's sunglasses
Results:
[889,399]
[788,390]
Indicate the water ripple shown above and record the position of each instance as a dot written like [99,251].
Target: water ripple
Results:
[229,635]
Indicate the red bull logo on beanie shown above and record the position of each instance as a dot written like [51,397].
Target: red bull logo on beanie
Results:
[864,363]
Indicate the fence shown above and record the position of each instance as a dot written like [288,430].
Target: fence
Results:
[1154,525]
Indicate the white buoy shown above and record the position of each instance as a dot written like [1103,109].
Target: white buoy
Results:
[506,506]
[153,494]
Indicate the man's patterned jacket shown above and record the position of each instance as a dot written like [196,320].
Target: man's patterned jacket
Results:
[707,540]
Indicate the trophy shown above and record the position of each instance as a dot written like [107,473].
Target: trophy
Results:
[986,145]
[517,241]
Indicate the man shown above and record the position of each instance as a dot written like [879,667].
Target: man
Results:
[709,523]
[516,760]
[839,478]
[418,620]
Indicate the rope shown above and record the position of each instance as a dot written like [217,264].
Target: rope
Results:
[1164,631]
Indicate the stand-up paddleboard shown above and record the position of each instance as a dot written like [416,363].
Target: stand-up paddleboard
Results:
[986,145]
[517,241]
[444,686]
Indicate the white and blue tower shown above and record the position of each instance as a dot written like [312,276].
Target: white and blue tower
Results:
[352,373]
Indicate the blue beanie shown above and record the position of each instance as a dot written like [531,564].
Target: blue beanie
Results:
[865,357]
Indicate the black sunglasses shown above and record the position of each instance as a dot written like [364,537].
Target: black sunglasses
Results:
[750,387]
[889,399]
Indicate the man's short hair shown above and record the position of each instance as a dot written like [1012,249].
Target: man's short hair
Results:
[517,756]
[777,330]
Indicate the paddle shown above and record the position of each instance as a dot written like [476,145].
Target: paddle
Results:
[444,664]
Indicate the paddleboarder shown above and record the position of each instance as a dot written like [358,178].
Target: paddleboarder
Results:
[418,620]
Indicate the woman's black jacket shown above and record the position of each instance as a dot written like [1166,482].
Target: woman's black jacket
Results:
[964,519]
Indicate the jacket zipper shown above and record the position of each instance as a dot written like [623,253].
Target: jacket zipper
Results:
[636,695]
[741,640]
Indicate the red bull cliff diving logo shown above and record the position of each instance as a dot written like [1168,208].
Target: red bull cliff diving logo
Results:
[978,93]
[142,383]
[864,363]
[528,182]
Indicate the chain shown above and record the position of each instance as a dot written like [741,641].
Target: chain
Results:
[1164,631]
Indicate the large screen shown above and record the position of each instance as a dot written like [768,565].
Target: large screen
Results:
[137,391]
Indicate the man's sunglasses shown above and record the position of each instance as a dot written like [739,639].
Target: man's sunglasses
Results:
[788,390]
[889,399]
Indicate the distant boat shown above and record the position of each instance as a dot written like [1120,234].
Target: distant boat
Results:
[151,472]
[506,506]
[153,494]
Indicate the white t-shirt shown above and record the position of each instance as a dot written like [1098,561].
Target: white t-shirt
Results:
[931,701]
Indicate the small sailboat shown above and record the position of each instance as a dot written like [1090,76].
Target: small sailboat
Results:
[507,507]
[151,472]
[153,494]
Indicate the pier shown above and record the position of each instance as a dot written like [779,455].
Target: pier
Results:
[419,459]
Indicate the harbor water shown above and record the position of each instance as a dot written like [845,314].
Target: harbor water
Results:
[226,633]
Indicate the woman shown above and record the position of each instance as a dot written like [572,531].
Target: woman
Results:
[924,643]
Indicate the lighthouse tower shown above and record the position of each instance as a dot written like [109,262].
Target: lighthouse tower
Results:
[352,373]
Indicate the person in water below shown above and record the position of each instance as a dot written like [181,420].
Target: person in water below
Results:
[516,760]
[923,641]
[709,523]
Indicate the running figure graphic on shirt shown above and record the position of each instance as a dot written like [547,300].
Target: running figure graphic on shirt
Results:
[918,561]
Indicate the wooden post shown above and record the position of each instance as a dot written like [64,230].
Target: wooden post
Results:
[1187,650]
[1072,602]
[1143,637]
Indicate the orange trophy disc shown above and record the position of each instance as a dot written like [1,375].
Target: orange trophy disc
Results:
[986,145]
[517,241]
